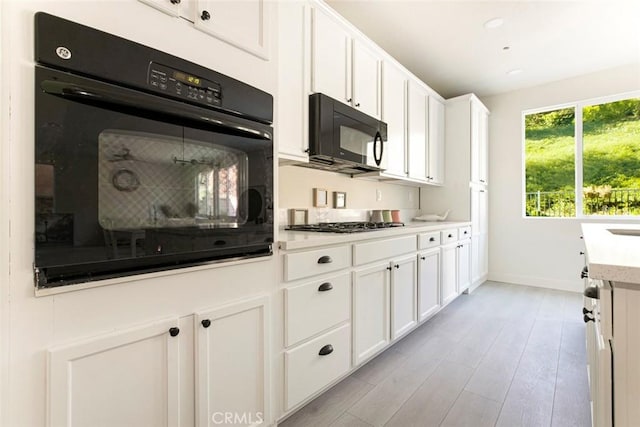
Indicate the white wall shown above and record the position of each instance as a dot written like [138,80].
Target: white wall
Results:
[537,252]
[297,183]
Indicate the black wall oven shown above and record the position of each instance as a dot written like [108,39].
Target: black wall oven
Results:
[143,161]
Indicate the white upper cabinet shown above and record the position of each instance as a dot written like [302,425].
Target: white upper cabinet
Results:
[343,67]
[479,142]
[417,127]
[244,24]
[436,141]
[394,108]
[366,79]
[331,53]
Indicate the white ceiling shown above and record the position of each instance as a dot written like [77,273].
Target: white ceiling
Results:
[445,44]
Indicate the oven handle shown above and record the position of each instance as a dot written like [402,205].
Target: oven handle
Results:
[115,95]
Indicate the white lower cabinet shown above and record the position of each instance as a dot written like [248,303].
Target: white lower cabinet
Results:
[125,378]
[463,259]
[449,273]
[404,296]
[371,304]
[311,366]
[428,283]
[134,376]
[232,364]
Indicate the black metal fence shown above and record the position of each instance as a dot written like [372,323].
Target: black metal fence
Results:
[595,201]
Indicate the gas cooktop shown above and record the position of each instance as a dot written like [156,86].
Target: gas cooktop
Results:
[344,227]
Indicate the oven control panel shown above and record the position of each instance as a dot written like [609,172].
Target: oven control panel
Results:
[184,85]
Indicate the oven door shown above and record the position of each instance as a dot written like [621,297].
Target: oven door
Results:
[128,182]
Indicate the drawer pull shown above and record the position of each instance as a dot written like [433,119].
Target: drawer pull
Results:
[325,287]
[584,273]
[450,236]
[174,331]
[325,260]
[423,258]
[327,349]
[466,232]
[432,239]
[588,319]
[206,323]
[585,311]
[592,292]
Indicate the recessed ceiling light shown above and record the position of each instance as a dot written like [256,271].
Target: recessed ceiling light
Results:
[514,72]
[493,23]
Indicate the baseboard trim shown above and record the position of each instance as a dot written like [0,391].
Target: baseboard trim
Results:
[539,282]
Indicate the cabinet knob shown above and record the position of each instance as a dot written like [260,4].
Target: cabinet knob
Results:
[389,268]
[174,331]
[482,180]
[206,323]
[358,104]
[466,232]
[423,258]
[349,100]
[581,252]
[205,15]
[175,1]
[584,273]
[587,319]
[326,286]
[397,265]
[327,349]
[432,239]
[585,311]
[450,236]
[325,260]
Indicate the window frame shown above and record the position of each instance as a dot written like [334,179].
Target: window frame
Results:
[578,107]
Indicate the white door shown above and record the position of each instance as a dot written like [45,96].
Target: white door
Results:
[428,283]
[125,378]
[436,141]
[464,265]
[370,311]
[232,363]
[479,143]
[404,296]
[394,88]
[366,79]
[244,24]
[331,62]
[417,125]
[449,273]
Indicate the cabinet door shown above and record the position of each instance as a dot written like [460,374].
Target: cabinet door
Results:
[232,363]
[417,125]
[331,65]
[244,24]
[173,8]
[404,296]
[449,274]
[366,79]
[370,311]
[126,378]
[394,108]
[294,80]
[479,143]
[428,284]
[436,141]
[464,266]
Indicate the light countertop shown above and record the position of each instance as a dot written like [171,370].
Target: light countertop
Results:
[292,240]
[611,256]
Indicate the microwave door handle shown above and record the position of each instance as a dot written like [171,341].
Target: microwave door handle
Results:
[377,138]
[113,95]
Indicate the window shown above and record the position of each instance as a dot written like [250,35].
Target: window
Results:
[583,159]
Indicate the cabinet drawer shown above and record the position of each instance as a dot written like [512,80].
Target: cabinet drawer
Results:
[364,253]
[429,240]
[311,263]
[316,306]
[449,235]
[464,233]
[307,371]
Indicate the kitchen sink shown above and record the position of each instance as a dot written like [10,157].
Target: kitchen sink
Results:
[624,231]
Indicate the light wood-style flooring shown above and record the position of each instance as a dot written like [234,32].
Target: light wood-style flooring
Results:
[505,355]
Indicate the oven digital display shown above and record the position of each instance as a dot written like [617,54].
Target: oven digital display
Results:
[186,78]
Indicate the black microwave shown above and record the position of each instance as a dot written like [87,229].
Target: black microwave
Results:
[343,139]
